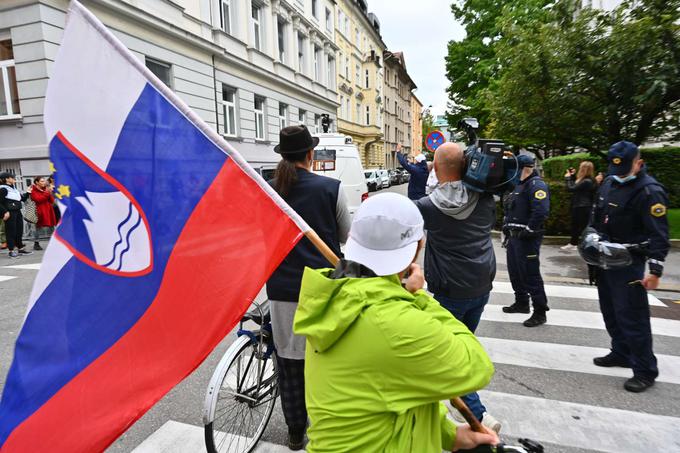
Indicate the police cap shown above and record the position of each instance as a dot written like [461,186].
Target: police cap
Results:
[525,161]
[621,156]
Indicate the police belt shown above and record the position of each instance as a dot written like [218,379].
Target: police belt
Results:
[515,230]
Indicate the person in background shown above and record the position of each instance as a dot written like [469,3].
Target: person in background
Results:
[55,205]
[419,174]
[10,212]
[460,264]
[382,353]
[631,209]
[322,203]
[582,186]
[44,206]
[528,208]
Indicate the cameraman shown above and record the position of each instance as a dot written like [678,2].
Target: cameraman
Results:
[460,264]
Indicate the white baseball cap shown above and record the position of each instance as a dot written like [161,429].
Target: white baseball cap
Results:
[384,234]
[420,157]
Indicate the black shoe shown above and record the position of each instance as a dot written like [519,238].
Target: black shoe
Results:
[637,384]
[537,318]
[296,438]
[611,360]
[517,308]
[25,252]
[36,246]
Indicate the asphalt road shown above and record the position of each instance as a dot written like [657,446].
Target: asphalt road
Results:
[543,388]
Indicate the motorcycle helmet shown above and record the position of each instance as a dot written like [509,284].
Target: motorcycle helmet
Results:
[604,254]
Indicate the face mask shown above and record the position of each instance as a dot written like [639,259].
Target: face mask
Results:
[621,180]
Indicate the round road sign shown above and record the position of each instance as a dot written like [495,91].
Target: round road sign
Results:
[434,140]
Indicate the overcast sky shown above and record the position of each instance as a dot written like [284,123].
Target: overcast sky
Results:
[420,29]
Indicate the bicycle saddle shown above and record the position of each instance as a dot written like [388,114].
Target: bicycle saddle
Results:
[259,316]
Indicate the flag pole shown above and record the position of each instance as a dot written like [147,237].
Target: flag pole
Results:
[456,402]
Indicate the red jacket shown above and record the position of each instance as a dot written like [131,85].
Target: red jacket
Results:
[43,205]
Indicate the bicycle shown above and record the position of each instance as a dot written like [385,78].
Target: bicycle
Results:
[243,389]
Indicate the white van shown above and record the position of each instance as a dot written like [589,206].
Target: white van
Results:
[337,157]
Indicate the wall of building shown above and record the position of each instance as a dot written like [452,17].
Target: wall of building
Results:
[398,88]
[190,37]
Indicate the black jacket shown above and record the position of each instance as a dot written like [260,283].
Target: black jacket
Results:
[583,192]
[315,199]
[459,259]
[7,204]
[419,174]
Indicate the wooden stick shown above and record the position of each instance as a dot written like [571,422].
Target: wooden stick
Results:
[458,403]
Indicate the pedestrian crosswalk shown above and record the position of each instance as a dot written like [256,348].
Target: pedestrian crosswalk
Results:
[546,387]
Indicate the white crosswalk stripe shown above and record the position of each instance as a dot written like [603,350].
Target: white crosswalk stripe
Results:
[32,267]
[4,278]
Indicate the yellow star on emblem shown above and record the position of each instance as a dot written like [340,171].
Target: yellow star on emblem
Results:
[63,191]
[52,169]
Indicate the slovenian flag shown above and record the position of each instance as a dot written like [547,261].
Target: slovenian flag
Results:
[166,237]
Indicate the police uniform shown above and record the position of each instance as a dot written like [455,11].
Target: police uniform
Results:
[631,212]
[527,208]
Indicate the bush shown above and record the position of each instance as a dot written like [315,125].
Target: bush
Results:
[662,163]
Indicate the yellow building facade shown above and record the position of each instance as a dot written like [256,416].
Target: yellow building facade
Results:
[416,125]
[360,79]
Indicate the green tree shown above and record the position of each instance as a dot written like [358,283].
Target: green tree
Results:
[589,79]
[472,63]
[427,126]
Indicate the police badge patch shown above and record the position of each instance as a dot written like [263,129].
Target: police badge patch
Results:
[658,210]
[540,194]
[616,161]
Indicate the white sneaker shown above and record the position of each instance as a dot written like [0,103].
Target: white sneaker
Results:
[568,247]
[490,422]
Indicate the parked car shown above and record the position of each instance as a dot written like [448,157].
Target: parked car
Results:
[371,180]
[405,176]
[395,177]
[384,178]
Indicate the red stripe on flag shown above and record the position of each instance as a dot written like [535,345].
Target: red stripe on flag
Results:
[232,243]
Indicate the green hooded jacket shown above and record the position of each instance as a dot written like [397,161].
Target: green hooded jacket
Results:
[378,362]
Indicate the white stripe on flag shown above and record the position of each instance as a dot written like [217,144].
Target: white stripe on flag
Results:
[571,292]
[575,318]
[583,426]
[562,357]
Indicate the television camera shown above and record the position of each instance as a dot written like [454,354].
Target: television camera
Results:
[489,166]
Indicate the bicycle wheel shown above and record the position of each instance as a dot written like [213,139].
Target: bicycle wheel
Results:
[240,398]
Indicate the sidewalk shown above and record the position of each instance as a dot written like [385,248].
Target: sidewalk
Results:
[558,266]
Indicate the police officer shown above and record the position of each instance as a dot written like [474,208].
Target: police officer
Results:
[630,209]
[527,207]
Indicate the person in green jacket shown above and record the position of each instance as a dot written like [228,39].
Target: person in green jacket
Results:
[380,356]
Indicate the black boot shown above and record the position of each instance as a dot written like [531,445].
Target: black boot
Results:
[296,438]
[611,360]
[638,384]
[36,246]
[517,307]
[537,318]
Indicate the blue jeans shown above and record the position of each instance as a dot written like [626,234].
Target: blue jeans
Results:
[469,312]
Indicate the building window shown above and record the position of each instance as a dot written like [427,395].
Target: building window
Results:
[302,115]
[301,52]
[341,20]
[330,72]
[281,35]
[346,27]
[357,119]
[357,37]
[357,74]
[347,68]
[317,64]
[160,69]
[329,22]
[259,117]
[256,18]
[9,94]
[347,110]
[229,110]
[225,15]
[315,8]
[367,81]
[368,115]
[317,123]
[396,108]
[283,115]
[342,107]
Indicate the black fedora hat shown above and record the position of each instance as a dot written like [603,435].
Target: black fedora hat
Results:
[295,139]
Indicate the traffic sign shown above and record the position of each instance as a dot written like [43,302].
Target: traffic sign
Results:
[434,140]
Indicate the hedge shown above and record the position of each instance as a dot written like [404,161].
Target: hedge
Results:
[662,163]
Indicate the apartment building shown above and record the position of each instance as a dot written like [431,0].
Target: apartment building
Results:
[416,125]
[360,79]
[246,67]
[398,114]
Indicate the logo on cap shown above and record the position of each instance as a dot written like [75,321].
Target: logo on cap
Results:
[616,161]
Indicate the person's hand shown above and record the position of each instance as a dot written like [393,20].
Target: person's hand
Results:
[416,279]
[567,174]
[650,282]
[599,178]
[6,216]
[30,189]
[398,147]
[467,439]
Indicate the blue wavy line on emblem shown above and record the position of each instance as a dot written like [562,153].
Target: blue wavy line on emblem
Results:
[127,239]
[120,236]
